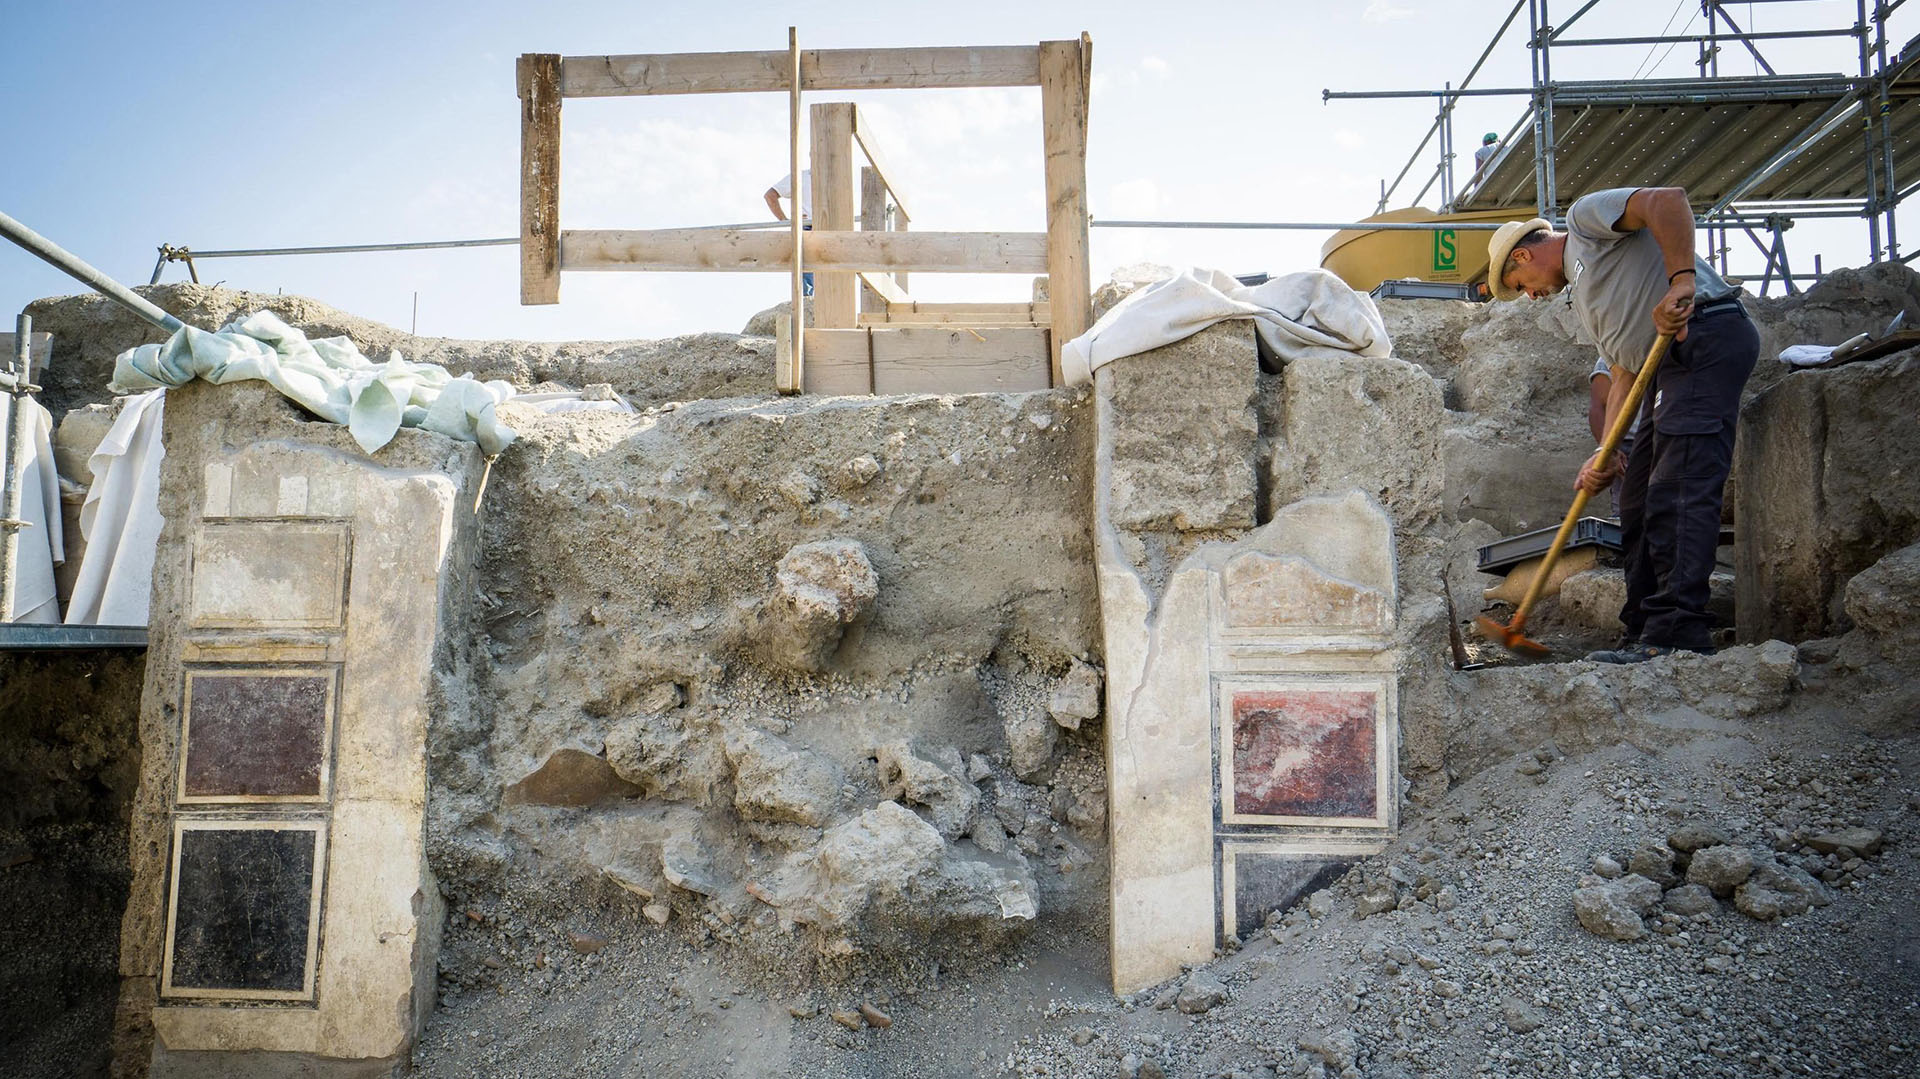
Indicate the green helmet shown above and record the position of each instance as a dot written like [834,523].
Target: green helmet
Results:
[1491,136]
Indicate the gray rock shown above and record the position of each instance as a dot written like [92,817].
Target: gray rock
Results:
[1521,1017]
[1777,891]
[1865,842]
[1335,1048]
[1691,899]
[1202,993]
[1721,869]
[1605,910]
[1691,837]
[1076,697]
[1320,904]
[1638,892]
[1604,866]
[909,778]
[1377,900]
[821,589]
[773,781]
[659,755]
[1185,440]
[1031,737]
[1654,861]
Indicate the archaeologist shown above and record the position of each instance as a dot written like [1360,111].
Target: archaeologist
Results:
[803,206]
[1627,264]
[1489,146]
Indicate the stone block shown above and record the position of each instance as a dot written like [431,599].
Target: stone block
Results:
[1351,421]
[269,575]
[1184,433]
[1821,454]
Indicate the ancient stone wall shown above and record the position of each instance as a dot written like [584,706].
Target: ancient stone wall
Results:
[809,670]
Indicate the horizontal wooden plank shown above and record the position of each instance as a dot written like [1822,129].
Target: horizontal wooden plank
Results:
[822,252]
[839,362]
[820,69]
[976,314]
[925,359]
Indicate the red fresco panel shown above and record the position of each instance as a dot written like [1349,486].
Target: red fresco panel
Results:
[1304,753]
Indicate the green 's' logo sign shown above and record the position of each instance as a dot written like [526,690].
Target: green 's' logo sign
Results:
[1446,252]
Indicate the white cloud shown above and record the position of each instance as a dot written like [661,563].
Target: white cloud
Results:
[1154,66]
[1348,139]
[1384,11]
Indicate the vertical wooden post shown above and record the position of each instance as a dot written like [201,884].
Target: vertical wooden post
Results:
[835,295]
[791,376]
[1063,119]
[873,218]
[537,77]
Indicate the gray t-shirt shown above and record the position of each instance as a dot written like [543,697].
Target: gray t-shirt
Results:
[1615,278]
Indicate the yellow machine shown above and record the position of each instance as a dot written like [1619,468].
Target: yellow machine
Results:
[1364,258]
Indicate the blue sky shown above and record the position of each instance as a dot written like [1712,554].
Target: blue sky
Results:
[228,125]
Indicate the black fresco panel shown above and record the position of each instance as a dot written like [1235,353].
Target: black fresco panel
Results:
[245,904]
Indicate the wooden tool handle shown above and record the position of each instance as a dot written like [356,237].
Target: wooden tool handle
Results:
[1621,424]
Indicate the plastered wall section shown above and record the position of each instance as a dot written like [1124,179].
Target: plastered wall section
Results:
[1252,690]
[309,616]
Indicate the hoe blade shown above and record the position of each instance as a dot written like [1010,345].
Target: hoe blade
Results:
[1509,637]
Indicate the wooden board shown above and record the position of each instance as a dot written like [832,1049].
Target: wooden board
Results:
[1063,110]
[975,314]
[836,297]
[538,80]
[820,69]
[915,359]
[870,145]
[927,360]
[747,249]
[839,362]
[796,359]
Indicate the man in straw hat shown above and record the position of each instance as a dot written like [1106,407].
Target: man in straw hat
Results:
[1627,264]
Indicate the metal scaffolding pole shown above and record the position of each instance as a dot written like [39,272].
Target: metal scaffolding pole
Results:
[20,384]
[73,266]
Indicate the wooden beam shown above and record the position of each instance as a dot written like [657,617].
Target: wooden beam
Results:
[869,145]
[883,287]
[796,359]
[1063,123]
[972,314]
[820,69]
[785,378]
[537,79]
[767,250]
[840,363]
[836,296]
[928,359]
[873,218]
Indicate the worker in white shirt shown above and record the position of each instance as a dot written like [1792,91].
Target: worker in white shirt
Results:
[783,189]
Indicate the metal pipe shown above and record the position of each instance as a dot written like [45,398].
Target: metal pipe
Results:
[1584,8]
[1738,29]
[1334,226]
[1549,204]
[85,274]
[1873,178]
[1539,106]
[21,368]
[1464,83]
[1769,35]
[176,254]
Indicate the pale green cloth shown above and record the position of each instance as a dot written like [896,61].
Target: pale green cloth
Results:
[328,377]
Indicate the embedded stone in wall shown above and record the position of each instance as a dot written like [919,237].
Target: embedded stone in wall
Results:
[244,910]
[1183,435]
[256,735]
[1269,592]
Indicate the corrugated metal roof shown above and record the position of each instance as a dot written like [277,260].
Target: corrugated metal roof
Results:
[1708,136]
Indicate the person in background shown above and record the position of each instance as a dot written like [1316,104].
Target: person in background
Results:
[783,189]
[1489,146]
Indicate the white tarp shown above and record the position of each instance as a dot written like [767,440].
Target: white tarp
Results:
[42,543]
[121,519]
[328,377]
[1292,312]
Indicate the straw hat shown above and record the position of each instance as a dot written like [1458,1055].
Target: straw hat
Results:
[1501,246]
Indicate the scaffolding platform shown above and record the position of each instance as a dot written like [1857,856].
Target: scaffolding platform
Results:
[43,637]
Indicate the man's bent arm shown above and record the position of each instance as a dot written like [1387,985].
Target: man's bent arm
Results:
[1665,212]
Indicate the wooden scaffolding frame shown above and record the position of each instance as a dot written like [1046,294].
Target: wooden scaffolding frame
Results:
[868,334]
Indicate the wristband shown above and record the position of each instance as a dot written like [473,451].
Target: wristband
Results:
[1677,273]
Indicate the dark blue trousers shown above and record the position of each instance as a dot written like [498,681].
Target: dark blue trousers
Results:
[1677,476]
